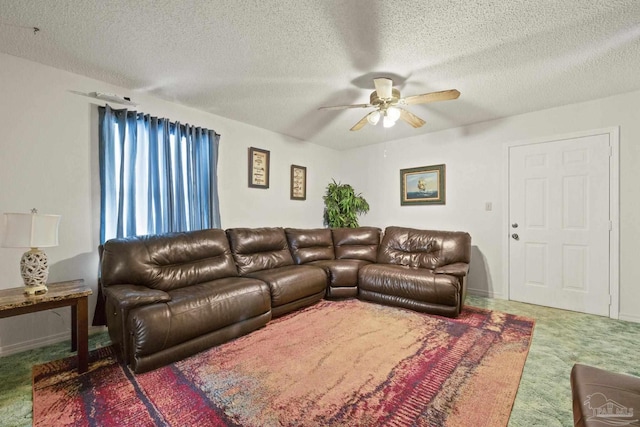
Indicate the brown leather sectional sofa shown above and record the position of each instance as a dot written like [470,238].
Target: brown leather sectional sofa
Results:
[602,397]
[173,295]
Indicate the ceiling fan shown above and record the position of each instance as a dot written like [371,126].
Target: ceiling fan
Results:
[387,101]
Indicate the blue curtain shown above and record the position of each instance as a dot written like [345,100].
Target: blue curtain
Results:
[156,176]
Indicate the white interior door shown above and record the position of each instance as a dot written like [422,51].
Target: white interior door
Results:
[559,224]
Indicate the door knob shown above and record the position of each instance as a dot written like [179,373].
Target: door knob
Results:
[515,236]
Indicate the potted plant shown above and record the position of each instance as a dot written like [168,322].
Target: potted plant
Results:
[342,205]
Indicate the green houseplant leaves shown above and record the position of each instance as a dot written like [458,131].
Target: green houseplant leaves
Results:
[342,205]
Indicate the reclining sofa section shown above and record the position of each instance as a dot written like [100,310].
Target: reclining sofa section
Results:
[263,253]
[419,269]
[173,295]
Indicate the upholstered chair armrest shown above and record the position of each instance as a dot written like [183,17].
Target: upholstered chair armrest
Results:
[458,269]
[127,297]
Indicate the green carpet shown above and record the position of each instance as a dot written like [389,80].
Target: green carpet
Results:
[15,378]
[561,338]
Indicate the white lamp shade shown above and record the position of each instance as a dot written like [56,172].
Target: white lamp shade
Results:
[393,113]
[387,122]
[373,117]
[30,230]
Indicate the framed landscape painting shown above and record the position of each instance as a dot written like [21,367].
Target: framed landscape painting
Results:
[423,186]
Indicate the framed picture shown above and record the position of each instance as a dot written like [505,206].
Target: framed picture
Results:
[298,182]
[422,186]
[258,168]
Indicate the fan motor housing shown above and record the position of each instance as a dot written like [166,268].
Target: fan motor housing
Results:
[375,100]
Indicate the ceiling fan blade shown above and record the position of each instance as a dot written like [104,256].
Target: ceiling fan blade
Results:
[344,107]
[383,87]
[411,118]
[444,95]
[360,124]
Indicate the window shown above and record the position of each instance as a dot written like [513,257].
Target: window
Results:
[156,176]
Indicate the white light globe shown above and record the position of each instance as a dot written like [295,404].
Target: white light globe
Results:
[373,117]
[387,122]
[393,113]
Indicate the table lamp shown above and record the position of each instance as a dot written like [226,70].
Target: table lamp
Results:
[34,230]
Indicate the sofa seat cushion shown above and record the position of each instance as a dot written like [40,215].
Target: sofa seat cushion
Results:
[418,284]
[293,282]
[343,276]
[342,272]
[195,311]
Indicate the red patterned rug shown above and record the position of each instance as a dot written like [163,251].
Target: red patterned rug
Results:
[339,363]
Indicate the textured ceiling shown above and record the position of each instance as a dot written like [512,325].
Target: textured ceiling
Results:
[272,63]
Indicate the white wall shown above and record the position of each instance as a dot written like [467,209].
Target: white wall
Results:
[49,160]
[474,169]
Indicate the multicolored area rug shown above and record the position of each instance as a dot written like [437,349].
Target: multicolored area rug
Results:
[338,363]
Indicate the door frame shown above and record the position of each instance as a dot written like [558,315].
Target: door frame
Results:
[614,207]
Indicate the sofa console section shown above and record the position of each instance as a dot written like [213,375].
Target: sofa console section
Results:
[165,294]
[419,269]
[264,254]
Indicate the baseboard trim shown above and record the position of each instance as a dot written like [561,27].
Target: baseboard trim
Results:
[19,347]
[629,317]
[485,293]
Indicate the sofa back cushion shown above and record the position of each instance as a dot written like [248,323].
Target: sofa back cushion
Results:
[308,245]
[256,249]
[167,261]
[356,243]
[424,248]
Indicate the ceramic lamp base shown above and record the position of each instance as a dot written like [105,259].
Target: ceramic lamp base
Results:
[34,268]
[35,290]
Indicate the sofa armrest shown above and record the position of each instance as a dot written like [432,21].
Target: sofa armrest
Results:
[458,269]
[120,299]
[126,297]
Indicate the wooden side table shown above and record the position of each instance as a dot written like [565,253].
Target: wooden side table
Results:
[73,293]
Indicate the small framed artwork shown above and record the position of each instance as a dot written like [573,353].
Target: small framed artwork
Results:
[423,186]
[298,182]
[258,168]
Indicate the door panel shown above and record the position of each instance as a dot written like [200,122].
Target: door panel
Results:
[536,261]
[535,209]
[559,216]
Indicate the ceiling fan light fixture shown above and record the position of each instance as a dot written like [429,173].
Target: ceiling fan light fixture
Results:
[373,117]
[393,113]
[385,100]
[387,122]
